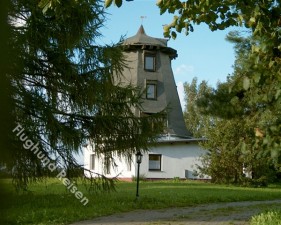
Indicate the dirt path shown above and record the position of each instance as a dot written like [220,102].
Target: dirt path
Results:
[210,214]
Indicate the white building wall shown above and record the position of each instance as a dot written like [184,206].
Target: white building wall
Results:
[121,167]
[178,160]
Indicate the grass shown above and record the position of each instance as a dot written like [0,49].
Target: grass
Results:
[50,203]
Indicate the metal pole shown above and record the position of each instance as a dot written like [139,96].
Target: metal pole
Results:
[138,179]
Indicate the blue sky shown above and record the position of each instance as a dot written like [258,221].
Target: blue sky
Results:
[203,54]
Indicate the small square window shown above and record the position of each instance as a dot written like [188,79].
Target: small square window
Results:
[149,62]
[154,162]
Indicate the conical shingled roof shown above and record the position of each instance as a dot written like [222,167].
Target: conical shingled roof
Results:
[142,39]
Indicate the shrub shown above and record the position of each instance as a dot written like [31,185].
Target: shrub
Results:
[267,218]
[176,179]
[260,182]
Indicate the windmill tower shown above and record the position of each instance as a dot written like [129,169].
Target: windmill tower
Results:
[176,152]
[150,68]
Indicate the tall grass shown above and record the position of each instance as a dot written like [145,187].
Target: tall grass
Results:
[51,203]
[267,218]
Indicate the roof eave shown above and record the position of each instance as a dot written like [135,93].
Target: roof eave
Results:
[182,140]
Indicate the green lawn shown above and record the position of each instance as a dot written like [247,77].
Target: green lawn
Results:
[50,202]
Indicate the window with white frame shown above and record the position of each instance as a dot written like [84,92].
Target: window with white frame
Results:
[155,162]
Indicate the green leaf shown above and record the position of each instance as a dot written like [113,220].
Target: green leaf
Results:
[166,33]
[278,92]
[174,22]
[271,63]
[107,3]
[45,5]
[257,77]
[275,152]
[243,148]
[252,21]
[255,48]
[178,28]
[246,83]
[174,35]
[159,2]
[240,19]
[118,3]
[273,128]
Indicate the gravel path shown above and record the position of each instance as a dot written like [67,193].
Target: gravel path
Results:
[209,214]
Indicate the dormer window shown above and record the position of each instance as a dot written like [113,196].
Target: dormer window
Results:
[150,62]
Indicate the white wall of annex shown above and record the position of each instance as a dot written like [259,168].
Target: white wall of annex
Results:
[176,159]
[121,166]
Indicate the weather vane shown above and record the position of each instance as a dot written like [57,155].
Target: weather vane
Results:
[142,18]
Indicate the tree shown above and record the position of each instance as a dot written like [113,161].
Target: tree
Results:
[258,15]
[260,78]
[64,91]
[196,122]
[223,160]
[231,147]
[236,139]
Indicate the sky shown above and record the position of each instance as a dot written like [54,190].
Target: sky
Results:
[203,54]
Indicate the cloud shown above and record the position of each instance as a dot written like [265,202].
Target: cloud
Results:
[180,90]
[184,69]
